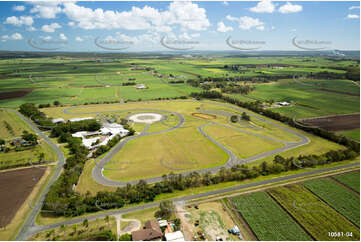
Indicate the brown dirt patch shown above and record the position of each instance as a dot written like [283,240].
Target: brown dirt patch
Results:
[335,122]
[204,115]
[15,187]
[15,94]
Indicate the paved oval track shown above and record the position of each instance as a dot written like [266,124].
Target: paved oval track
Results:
[97,171]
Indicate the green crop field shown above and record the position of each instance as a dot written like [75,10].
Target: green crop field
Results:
[11,126]
[313,214]
[351,180]
[342,200]
[310,102]
[267,219]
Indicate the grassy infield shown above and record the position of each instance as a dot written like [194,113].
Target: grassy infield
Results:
[318,206]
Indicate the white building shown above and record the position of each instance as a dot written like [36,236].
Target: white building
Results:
[175,236]
[58,120]
[106,133]
[140,86]
[79,119]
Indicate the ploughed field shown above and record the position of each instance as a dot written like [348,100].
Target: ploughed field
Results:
[15,187]
[336,122]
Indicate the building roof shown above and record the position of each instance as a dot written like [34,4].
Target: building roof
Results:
[175,236]
[58,120]
[79,119]
[150,232]
[162,223]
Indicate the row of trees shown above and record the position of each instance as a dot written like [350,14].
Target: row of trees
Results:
[72,127]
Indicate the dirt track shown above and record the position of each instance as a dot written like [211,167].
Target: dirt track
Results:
[15,187]
[336,122]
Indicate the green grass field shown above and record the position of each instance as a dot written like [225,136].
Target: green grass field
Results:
[313,214]
[338,197]
[267,220]
[310,102]
[352,134]
[11,126]
[351,180]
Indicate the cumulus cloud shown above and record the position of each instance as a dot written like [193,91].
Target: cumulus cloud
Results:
[62,37]
[19,8]
[79,39]
[354,7]
[247,23]
[71,23]
[46,10]
[353,16]
[221,27]
[225,3]
[290,8]
[188,15]
[264,6]
[31,28]
[16,36]
[50,28]
[19,21]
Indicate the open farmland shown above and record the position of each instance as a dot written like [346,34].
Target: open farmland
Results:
[15,186]
[266,219]
[338,197]
[313,214]
[351,180]
[11,126]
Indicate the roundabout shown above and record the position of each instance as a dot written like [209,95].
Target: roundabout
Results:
[147,118]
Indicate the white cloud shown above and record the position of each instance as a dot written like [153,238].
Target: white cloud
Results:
[264,6]
[31,28]
[195,35]
[79,39]
[16,36]
[225,3]
[184,36]
[261,27]
[46,37]
[247,23]
[221,27]
[63,37]
[290,8]
[353,16]
[4,38]
[46,10]
[354,7]
[19,8]
[50,28]
[188,15]
[71,24]
[19,21]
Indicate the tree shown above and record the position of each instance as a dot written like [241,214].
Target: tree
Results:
[41,156]
[56,103]
[165,210]
[30,138]
[246,116]
[234,118]
[86,223]
[2,142]
[125,237]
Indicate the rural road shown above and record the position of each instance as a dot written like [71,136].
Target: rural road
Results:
[36,229]
[97,171]
[29,222]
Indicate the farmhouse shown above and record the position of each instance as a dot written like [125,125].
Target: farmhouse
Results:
[151,231]
[140,86]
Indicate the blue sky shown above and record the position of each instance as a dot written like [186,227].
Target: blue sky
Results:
[142,26]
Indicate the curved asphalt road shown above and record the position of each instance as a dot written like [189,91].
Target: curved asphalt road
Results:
[29,222]
[97,171]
